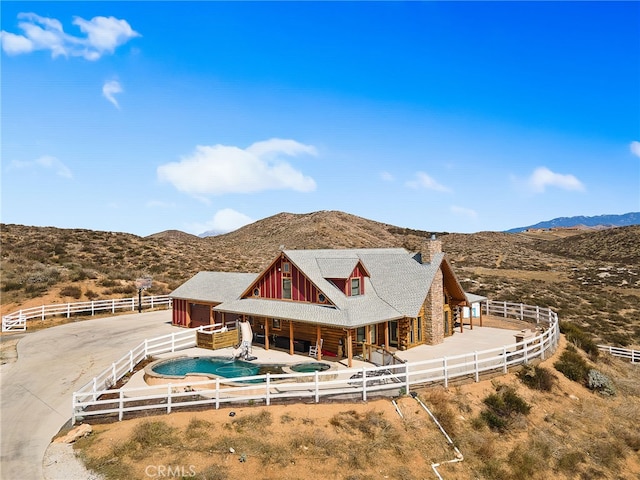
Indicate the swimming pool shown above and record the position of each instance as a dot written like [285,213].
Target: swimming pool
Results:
[220,366]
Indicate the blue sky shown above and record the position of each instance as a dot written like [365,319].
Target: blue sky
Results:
[447,116]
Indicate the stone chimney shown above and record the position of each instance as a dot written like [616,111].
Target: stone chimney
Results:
[430,248]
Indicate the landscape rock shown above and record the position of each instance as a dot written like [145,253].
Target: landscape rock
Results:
[75,433]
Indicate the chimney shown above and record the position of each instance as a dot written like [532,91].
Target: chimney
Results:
[430,248]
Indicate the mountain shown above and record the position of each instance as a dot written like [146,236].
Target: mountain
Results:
[598,221]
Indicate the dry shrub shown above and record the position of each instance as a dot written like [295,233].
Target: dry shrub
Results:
[439,403]
[251,422]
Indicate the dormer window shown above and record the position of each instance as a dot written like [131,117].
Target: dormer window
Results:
[355,287]
[256,292]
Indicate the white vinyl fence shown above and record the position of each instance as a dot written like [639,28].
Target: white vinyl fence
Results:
[18,320]
[97,398]
[632,355]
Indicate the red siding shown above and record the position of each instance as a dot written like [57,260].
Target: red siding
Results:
[179,312]
[270,284]
[357,273]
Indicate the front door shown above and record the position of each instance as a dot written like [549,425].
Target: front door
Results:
[393,333]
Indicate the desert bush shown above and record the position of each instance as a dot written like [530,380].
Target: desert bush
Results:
[538,378]
[149,434]
[71,291]
[91,295]
[254,421]
[569,461]
[572,365]
[503,407]
[600,383]
[10,285]
[580,338]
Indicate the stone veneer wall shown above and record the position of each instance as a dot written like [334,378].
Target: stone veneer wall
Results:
[434,311]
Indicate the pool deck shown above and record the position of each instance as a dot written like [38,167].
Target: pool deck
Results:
[467,342]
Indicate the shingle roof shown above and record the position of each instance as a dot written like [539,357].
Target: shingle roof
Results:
[214,287]
[397,287]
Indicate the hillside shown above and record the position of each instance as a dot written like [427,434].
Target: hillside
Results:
[590,278]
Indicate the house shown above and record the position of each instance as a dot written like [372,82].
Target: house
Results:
[340,300]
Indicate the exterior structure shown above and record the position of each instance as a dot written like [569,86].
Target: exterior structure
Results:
[342,301]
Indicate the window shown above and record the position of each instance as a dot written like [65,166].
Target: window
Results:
[321,298]
[275,323]
[419,329]
[360,335]
[412,338]
[286,267]
[355,287]
[256,292]
[286,288]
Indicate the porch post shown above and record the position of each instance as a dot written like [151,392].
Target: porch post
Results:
[349,349]
[291,350]
[318,341]
[266,333]
[461,321]
[481,312]
[386,335]
[188,314]
[471,316]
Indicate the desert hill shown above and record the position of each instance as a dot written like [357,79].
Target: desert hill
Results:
[591,278]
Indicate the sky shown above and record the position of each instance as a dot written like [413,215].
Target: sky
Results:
[141,117]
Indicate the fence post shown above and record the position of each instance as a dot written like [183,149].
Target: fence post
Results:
[525,347]
[504,357]
[95,388]
[68,311]
[113,306]
[92,308]
[267,382]
[133,304]
[113,370]
[475,360]
[169,398]
[364,384]
[43,313]
[73,410]
[317,385]
[537,314]
[406,377]
[521,311]
[446,373]
[120,406]
[504,314]
[146,348]
[217,393]
[130,360]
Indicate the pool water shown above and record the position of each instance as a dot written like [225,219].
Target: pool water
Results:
[223,367]
[310,367]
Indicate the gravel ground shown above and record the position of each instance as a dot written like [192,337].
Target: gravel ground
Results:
[60,463]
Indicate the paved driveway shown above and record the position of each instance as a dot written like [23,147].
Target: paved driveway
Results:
[52,363]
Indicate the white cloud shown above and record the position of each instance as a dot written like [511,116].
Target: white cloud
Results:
[103,36]
[109,89]
[220,169]
[422,180]
[542,177]
[387,177]
[224,221]
[47,162]
[463,212]
[635,148]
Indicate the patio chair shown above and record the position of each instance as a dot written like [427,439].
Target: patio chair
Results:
[313,349]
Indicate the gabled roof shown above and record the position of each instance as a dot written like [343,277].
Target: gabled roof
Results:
[214,287]
[396,287]
[337,267]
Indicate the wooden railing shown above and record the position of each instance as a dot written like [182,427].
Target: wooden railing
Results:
[96,398]
[18,320]
[632,355]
